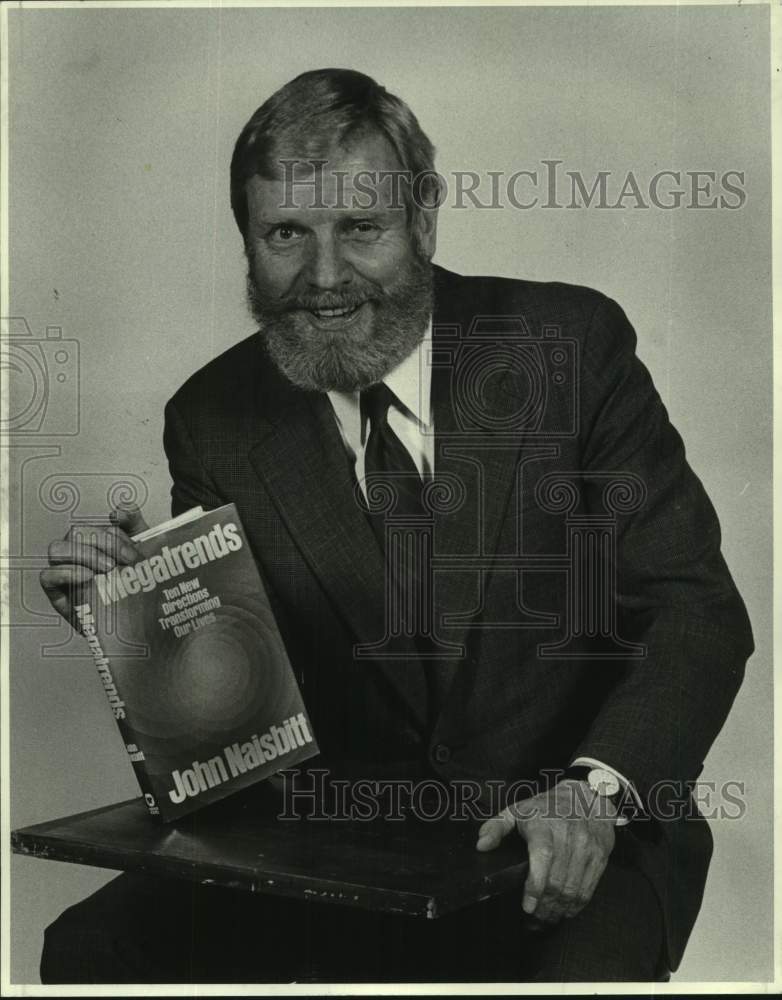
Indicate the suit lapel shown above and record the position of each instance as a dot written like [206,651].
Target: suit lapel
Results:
[471,456]
[300,457]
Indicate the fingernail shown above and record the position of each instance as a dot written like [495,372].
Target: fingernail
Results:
[128,553]
[529,904]
[482,842]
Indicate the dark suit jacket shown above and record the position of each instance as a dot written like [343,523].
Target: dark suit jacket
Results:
[533,445]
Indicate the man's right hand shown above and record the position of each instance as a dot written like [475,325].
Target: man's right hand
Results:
[88,549]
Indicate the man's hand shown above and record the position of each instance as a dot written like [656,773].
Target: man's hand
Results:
[569,832]
[87,550]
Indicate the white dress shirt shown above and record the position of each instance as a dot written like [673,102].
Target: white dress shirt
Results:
[411,419]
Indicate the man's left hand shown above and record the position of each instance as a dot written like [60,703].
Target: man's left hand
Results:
[569,831]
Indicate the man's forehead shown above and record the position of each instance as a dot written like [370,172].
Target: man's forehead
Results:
[363,173]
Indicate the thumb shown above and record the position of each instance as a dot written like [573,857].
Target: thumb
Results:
[129,519]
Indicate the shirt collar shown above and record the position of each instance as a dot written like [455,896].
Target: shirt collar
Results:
[411,380]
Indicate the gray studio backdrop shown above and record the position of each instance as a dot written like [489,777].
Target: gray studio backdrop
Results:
[127,275]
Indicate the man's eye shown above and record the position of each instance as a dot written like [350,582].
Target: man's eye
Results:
[285,234]
[364,228]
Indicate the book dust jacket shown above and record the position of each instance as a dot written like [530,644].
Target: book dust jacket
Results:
[200,684]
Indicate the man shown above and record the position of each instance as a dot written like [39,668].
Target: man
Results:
[573,614]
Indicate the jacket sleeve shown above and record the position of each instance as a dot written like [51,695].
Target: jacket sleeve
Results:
[192,485]
[674,592]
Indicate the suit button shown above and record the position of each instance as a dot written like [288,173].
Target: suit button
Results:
[442,753]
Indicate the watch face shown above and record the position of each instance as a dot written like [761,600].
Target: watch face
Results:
[603,782]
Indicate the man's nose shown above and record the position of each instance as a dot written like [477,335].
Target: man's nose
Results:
[328,268]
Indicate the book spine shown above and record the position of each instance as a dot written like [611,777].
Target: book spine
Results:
[89,629]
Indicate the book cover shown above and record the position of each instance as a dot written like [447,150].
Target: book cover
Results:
[193,664]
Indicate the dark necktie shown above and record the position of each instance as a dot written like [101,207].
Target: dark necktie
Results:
[387,460]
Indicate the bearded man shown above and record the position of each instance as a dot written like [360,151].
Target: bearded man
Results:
[507,415]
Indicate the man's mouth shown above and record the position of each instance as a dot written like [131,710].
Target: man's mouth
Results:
[332,313]
[336,317]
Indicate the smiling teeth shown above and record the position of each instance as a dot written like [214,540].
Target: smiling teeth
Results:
[328,313]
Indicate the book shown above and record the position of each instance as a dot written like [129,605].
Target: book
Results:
[193,664]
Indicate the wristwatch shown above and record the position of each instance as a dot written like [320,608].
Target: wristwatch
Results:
[605,783]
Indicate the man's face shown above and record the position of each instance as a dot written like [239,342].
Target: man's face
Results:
[342,293]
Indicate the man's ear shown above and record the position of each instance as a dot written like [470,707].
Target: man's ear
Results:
[425,231]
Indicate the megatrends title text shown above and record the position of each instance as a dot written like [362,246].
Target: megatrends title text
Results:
[171,561]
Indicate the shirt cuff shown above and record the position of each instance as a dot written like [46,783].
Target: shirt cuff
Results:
[627,786]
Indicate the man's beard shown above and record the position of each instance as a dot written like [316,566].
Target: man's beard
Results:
[353,357]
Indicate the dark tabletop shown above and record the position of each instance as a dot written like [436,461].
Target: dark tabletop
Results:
[404,866]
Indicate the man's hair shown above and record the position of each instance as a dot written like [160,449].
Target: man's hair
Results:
[318,110]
